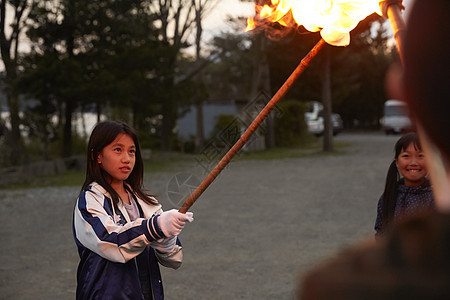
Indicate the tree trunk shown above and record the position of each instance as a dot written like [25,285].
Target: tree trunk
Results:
[261,83]
[167,125]
[98,108]
[200,134]
[265,83]
[9,58]
[13,136]
[69,103]
[67,134]
[326,101]
[200,137]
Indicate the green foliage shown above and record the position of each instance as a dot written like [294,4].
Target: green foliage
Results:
[358,76]
[5,153]
[285,54]
[224,122]
[231,74]
[226,131]
[67,178]
[146,139]
[119,58]
[186,145]
[357,71]
[290,127]
[79,144]
[49,149]
[103,54]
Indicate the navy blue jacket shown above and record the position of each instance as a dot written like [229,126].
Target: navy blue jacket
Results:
[116,257]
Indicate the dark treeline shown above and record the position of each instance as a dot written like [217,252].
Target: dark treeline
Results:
[128,60]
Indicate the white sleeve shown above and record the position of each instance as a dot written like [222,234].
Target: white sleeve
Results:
[96,229]
[171,260]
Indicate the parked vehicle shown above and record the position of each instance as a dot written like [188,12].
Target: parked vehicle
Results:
[396,117]
[338,124]
[315,121]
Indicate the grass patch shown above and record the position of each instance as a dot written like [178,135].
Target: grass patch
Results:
[310,150]
[166,161]
[67,178]
[158,162]
[171,161]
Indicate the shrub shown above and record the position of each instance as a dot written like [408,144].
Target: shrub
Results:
[226,131]
[290,127]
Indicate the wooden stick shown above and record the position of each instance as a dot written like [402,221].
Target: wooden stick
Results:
[252,128]
[398,26]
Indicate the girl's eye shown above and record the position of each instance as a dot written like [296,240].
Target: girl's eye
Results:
[133,152]
[117,149]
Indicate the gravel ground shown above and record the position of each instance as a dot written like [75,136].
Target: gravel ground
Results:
[257,228]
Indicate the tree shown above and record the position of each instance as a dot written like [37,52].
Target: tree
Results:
[358,73]
[100,52]
[230,75]
[176,21]
[9,49]
[326,100]
[200,9]
[56,31]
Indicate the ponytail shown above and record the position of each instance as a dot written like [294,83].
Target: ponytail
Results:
[390,194]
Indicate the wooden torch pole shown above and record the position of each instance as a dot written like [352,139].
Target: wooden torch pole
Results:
[392,10]
[252,128]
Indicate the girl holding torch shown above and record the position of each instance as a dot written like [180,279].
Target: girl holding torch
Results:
[121,231]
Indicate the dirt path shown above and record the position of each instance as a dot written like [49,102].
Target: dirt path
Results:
[257,228]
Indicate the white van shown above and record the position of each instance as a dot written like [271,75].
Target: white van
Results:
[396,117]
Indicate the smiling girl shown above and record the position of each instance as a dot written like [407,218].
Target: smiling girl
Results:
[409,193]
[121,232]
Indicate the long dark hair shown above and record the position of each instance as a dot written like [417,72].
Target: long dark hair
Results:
[393,176]
[102,135]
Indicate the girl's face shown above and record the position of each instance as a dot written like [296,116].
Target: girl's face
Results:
[411,164]
[118,158]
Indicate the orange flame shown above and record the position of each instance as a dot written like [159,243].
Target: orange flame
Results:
[333,18]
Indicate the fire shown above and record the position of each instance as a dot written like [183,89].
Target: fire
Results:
[333,18]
